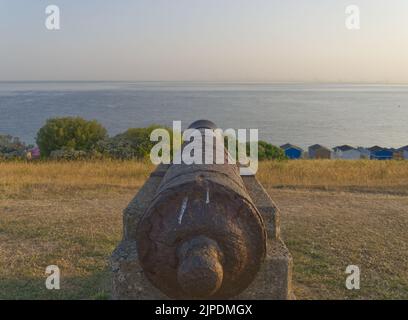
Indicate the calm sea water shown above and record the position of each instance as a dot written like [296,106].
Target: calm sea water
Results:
[301,114]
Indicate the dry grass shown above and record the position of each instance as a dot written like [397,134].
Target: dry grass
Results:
[59,178]
[63,213]
[344,175]
[69,214]
[77,178]
[327,231]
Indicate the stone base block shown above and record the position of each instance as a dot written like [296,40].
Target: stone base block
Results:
[273,281]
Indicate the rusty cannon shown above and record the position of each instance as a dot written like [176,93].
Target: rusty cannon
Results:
[201,236]
[201,231]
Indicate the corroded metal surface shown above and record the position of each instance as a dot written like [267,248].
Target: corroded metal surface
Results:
[201,236]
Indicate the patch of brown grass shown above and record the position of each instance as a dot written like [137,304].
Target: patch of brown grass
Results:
[21,180]
[346,175]
[69,214]
[327,231]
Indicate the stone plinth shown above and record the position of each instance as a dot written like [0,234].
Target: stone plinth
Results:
[273,280]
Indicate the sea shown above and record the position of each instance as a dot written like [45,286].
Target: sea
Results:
[301,114]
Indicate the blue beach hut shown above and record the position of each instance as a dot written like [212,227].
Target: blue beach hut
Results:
[379,153]
[292,151]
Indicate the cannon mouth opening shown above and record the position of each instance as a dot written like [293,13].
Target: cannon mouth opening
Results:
[200,272]
[203,124]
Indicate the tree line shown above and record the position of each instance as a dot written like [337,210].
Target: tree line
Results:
[74,138]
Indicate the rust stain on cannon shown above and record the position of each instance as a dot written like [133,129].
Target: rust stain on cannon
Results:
[201,236]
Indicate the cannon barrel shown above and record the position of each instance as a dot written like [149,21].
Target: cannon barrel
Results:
[201,236]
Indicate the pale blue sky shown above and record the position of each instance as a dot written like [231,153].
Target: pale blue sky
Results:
[205,40]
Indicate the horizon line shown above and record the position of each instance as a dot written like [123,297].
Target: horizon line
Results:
[213,82]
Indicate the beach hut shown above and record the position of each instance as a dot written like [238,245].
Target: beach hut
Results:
[346,152]
[380,153]
[292,151]
[403,152]
[397,154]
[364,153]
[318,151]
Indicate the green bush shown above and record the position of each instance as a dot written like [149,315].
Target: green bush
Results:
[70,155]
[69,133]
[134,143]
[267,151]
[12,147]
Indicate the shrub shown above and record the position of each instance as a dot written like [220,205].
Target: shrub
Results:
[134,143]
[68,154]
[69,133]
[12,147]
[117,148]
[267,151]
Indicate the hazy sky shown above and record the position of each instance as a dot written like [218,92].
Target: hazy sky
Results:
[205,40]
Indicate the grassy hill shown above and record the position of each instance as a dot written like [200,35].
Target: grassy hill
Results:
[334,213]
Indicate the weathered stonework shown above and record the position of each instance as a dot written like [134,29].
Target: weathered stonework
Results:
[273,280]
